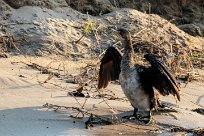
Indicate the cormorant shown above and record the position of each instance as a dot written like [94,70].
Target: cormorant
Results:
[137,81]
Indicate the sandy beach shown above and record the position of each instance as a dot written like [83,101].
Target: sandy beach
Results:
[23,95]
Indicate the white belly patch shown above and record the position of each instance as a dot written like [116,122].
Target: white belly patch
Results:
[134,91]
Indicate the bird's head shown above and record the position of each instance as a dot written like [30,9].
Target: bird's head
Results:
[124,36]
[123,33]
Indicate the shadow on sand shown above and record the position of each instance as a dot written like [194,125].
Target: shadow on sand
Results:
[36,121]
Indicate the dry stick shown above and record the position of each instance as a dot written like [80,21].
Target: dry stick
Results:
[76,42]
[82,84]
[77,27]
[106,101]
[139,32]
[100,94]
[4,43]
[149,5]
[101,118]
[52,73]
[96,35]
[49,106]
[83,112]
[40,68]
[49,65]
[16,23]
[84,103]
[60,86]
[11,39]
[72,96]
[43,69]
[86,98]
[172,128]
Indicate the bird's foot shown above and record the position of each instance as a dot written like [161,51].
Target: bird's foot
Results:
[143,116]
[129,117]
[144,119]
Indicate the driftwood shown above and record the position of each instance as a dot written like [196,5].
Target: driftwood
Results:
[97,119]
[42,69]
[93,118]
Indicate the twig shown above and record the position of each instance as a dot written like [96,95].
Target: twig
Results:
[106,102]
[76,42]
[99,119]
[44,70]
[135,35]
[8,24]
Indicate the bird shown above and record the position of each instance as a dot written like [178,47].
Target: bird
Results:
[138,82]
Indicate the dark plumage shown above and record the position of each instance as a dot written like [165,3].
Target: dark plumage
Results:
[110,67]
[137,81]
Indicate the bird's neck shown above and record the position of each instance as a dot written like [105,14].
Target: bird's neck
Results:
[128,43]
[128,60]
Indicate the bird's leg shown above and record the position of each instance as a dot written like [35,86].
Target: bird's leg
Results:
[131,117]
[135,111]
[144,116]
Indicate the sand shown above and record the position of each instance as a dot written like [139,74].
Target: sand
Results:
[23,96]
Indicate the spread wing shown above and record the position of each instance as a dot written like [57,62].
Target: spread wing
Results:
[160,77]
[110,67]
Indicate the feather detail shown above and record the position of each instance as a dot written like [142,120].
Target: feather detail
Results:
[167,82]
[110,67]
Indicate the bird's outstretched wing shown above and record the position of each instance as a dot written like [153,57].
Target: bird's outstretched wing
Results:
[160,77]
[110,67]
